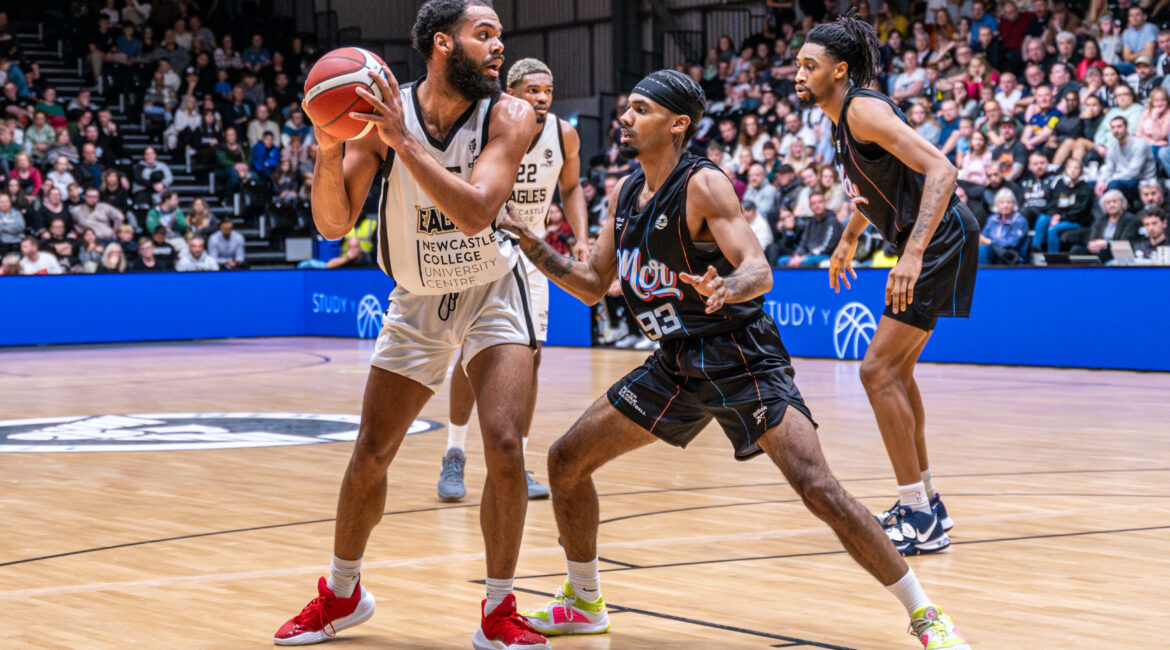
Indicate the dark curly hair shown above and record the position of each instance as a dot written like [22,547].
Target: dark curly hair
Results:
[439,16]
[852,40]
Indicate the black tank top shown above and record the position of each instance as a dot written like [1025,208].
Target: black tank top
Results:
[654,245]
[885,189]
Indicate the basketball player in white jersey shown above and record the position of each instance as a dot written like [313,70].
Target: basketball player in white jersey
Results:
[551,160]
[446,149]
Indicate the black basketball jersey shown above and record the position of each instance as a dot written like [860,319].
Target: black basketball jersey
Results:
[654,245]
[885,189]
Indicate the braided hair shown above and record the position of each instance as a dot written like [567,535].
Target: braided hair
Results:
[852,40]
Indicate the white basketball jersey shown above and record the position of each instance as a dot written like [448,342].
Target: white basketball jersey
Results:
[419,246]
[537,179]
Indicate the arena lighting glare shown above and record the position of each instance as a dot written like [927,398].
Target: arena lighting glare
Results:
[573,121]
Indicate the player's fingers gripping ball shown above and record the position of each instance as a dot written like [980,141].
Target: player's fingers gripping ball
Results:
[331,91]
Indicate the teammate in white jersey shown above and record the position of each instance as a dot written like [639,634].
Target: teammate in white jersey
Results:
[447,148]
[551,160]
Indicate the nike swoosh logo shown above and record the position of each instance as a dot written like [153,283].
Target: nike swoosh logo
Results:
[923,536]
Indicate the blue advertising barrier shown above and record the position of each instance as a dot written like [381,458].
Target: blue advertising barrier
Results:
[350,303]
[150,307]
[1072,317]
[167,306]
[1087,318]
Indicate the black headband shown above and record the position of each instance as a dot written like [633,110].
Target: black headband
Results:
[671,98]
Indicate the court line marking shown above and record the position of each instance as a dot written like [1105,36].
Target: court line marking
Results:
[1082,533]
[625,564]
[475,505]
[321,361]
[864,498]
[621,609]
[527,552]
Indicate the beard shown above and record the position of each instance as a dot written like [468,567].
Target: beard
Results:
[628,151]
[467,77]
[812,97]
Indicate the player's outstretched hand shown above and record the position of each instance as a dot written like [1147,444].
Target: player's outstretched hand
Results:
[386,112]
[900,283]
[709,285]
[841,265]
[581,251]
[511,221]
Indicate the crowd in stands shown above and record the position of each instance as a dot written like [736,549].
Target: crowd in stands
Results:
[1056,116]
[75,200]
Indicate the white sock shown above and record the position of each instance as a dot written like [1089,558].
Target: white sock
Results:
[913,496]
[585,579]
[456,436]
[525,444]
[343,576]
[926,481]
[909,592]
[497,590]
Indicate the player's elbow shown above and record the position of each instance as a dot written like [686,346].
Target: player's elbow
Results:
[331,231]
[473,227]
[946,171]
[474,221]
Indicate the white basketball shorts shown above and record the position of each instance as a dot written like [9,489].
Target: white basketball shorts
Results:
[538,289]
[420,333]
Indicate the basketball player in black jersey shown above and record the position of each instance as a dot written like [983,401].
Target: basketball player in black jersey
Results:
[905,187]
[694,274]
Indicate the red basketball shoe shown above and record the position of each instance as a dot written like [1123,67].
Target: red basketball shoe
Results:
[326,615]
[504,629]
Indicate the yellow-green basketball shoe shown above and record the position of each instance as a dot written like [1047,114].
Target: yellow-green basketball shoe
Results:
[936,630]
[568,614]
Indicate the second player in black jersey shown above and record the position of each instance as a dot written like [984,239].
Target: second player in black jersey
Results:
[691,268]
[652,241]
[904,186]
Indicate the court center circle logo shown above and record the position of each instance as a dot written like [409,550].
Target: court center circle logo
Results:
[181,431]
[369,317]
[852,330]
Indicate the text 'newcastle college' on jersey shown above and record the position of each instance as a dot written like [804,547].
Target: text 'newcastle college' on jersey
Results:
[419,246]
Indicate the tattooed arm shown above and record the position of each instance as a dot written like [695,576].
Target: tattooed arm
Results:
[873,121]
[588,281]
[713,212]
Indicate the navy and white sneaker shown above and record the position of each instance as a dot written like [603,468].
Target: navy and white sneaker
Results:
[916,533]
[886,518]
[940,511]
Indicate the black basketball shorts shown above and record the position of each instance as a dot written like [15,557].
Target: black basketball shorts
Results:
[742,378]
[946,285]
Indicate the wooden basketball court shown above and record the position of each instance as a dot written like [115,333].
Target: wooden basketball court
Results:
[1058,480]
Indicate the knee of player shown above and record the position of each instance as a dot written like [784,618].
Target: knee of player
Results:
[822,494]
[876,372]
[561,462]
[503,447]
[370,458]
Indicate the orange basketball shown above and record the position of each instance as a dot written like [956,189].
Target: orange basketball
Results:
[331,91]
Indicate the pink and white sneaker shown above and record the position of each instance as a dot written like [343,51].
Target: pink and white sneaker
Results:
[568,614]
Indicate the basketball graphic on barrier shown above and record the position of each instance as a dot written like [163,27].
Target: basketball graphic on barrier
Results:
[369,317]
[852,330]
